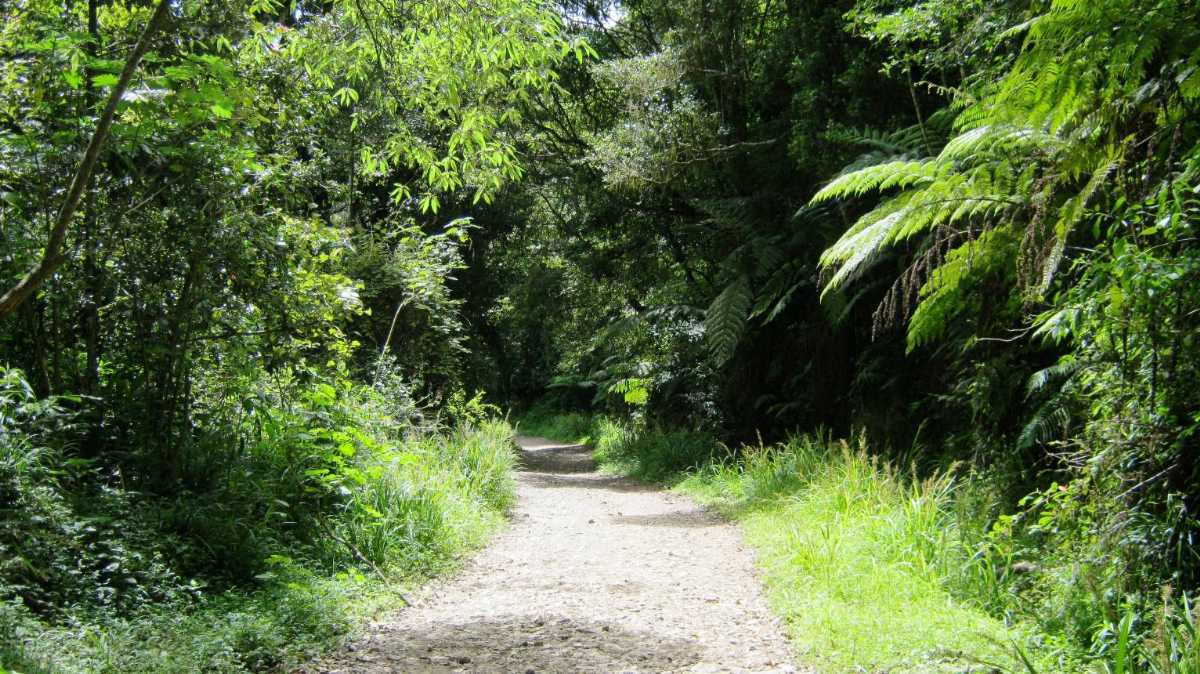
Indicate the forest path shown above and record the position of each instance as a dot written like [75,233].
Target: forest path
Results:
[595,574]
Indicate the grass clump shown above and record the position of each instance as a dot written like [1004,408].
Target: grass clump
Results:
[651,454]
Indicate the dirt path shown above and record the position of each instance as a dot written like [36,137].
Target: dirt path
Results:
[596,574]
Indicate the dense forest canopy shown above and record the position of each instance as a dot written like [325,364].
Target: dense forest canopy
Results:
[252,251]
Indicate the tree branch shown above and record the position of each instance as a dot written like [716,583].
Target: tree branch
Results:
[52,255]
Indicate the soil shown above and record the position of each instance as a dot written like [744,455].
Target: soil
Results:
[595,574]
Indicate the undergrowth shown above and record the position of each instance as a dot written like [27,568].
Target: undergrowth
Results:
[547,422]
[654,455]
[299,511]
[857,557]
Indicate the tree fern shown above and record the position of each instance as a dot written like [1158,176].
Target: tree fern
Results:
[899,173]
[951,286]
[947,197]
[1050,421]
[1053,417]
[1034,149]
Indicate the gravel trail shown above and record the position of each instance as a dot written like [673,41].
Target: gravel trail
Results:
[595,574]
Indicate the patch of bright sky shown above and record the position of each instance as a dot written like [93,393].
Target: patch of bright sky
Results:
[602,13]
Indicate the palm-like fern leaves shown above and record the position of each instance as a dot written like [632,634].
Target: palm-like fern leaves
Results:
[935,193]
[951,286]
[725,320]
[1052,418]
[1034,149]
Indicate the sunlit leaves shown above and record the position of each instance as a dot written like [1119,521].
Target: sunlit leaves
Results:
[442,80]
[664,128]
[1037,149]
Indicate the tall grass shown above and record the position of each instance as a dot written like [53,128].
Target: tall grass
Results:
[439,495]
[651,454]
[856,556]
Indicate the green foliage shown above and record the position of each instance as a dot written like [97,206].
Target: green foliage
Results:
[440,82]
[958,282]
[293,618]
[265,205]
[1026,159]
[60,550]
[633,390]
[725,320]
[664,127]
[546,422]
[328,489]
[468,412]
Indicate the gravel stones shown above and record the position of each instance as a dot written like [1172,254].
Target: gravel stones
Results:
[595,574]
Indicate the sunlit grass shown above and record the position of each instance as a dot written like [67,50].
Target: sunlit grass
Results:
[852,557]
[856,557]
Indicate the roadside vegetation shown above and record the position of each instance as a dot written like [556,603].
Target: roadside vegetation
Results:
[323,510]
[234,411]
[571,427]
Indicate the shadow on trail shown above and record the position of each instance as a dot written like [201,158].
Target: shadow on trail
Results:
[584,481]
[681,519]
[561,459]
[553,466]
[525,643]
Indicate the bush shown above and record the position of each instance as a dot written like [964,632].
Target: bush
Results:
[67,536]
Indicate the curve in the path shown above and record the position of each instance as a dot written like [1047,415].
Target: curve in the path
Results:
[596,574]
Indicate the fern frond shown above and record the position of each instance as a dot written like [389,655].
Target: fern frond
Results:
[906,141]
[774,295]
[725,320]
[1056,374]
[988,140]
[880,177]
[1051,421]
[1070,214]
[948,292]
[855,253]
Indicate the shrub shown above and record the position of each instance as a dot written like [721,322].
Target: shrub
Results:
[548,422]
